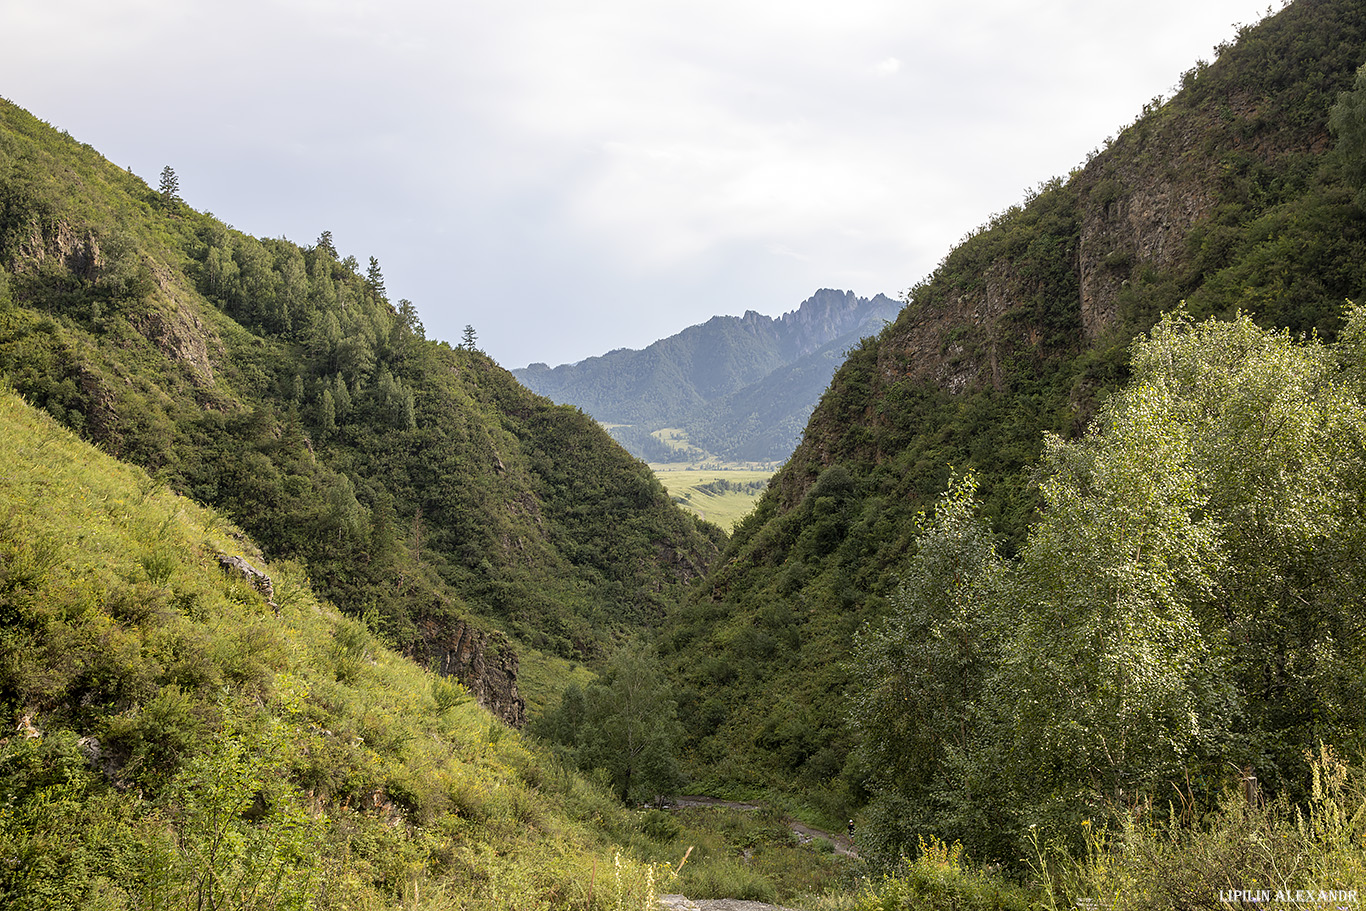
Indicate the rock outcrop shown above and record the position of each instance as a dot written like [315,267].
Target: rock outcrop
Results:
[235,565]
[484,662]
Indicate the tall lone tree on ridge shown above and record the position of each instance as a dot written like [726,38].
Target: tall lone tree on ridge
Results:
[170,188]
[375,278]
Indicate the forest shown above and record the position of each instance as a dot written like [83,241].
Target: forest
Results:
[1058,602]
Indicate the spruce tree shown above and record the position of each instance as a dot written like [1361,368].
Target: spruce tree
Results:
[170,188]
[374,279]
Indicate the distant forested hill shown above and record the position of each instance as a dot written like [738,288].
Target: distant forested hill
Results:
[419,484]
[740,387]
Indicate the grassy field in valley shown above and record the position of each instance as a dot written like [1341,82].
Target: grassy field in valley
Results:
[718,493]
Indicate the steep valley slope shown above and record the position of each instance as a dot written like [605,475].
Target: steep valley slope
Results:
[424,490]
[1234,195]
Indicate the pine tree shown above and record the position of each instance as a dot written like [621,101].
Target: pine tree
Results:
[170,188]
[374,279]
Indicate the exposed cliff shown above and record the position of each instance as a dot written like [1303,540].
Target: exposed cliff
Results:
[484,662]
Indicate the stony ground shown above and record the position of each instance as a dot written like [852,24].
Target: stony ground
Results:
[679,903]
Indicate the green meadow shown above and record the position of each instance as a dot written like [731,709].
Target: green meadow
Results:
[721,495]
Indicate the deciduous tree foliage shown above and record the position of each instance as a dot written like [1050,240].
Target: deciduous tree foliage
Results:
[1189,602]
[921,705]
[624,726]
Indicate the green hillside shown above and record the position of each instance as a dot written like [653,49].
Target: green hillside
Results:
[181,734]
[1059,599]
[176,742]
[419,484]
[1233,195]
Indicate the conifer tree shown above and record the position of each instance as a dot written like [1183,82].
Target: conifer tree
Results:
[170,188]
[374,279]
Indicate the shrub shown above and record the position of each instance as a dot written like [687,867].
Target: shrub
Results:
[939,879]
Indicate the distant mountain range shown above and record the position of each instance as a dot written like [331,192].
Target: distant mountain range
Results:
[739,388]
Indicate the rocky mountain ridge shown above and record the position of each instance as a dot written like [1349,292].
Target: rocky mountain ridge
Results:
[738,386]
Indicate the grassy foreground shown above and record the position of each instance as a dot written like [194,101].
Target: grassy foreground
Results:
[177,742]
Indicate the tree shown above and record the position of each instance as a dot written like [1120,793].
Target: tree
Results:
[409,320]
[1189,602]
[170,188]
[1191,596]
[1347,120]
[326,246]
[468,339]
[921,704]
[374,279]
[625,725]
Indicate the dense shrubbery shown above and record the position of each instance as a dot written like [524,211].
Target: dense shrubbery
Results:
[1189,602]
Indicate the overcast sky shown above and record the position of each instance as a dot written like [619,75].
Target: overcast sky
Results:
[573,176]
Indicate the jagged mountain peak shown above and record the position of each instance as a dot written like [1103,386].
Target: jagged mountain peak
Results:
[741,386]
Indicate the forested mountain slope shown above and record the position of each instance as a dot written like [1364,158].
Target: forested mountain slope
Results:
[420,484]
[741,387]
[1233,195]
[178,737]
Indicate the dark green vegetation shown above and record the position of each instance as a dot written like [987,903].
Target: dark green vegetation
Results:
[1234,195]
[1186,611]
[741,388]
[419,484]
[622,726]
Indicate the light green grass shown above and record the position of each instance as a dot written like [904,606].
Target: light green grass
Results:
[253,756]
[542,679]
[685,485]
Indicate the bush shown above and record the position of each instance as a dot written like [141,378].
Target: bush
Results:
[938,879]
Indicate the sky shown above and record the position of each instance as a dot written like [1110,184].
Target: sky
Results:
[574,176]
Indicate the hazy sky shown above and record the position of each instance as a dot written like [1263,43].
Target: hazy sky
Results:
[572,176]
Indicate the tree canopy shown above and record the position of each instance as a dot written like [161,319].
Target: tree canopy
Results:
[1189,602]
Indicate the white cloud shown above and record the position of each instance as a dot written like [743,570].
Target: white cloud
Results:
[576,177]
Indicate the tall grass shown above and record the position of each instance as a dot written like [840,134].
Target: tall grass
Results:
[1192,860]
[177,743]
[1236,854]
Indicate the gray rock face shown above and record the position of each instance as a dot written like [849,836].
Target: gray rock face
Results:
[234,564]
[484,662]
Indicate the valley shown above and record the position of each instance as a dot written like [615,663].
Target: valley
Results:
[719,493]
[1049,576]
